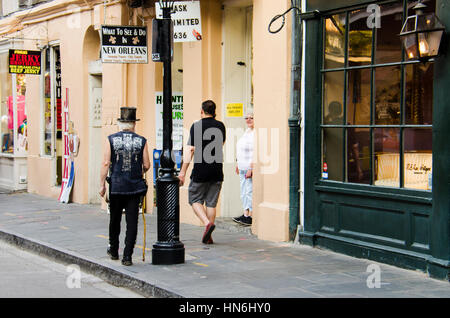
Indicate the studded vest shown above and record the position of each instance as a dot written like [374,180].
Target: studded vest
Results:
[127,150]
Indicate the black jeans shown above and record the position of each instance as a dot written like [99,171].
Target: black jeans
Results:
[131,205]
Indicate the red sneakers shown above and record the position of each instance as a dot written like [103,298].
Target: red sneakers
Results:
[208,231]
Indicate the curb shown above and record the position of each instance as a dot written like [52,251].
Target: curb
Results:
[108,274]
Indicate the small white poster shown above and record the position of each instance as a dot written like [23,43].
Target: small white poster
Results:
[177,120]
[186,17]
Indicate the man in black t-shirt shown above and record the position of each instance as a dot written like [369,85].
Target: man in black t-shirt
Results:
[205,144]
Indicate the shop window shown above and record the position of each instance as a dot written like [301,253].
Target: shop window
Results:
[335,41]
[13,111]
[52,107]
[376,105]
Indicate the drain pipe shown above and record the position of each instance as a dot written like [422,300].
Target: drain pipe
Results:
[294,123]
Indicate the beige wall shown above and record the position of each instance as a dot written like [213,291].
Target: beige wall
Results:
[271,111]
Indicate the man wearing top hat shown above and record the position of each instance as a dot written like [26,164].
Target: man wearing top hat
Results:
[126,157]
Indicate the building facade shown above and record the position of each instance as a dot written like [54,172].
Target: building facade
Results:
[375,174]
[349,133]
[237,63]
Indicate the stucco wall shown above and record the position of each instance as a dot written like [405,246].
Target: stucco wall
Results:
[271,85]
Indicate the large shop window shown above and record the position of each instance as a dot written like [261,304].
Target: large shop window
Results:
[13,112]
[376,106]
[52,110]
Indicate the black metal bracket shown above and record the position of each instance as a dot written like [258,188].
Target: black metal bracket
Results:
[302,15]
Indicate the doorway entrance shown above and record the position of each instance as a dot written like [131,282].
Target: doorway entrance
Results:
[95,130]
[237,93]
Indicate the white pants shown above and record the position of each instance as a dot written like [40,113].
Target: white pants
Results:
[246,190]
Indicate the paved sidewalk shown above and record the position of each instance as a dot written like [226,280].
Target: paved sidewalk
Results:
[238,265]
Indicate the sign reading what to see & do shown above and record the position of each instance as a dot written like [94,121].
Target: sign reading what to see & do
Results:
[124,44]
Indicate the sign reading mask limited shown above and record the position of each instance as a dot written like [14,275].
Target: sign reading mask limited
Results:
[124,44]
[187,22]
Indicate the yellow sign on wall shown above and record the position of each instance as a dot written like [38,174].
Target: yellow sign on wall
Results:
[235,110]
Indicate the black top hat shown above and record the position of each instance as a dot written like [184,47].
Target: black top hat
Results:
[127,114]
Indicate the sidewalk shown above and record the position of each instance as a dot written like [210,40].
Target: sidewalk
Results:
[238,265]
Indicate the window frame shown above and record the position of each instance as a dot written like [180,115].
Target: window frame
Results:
[53,79]
[4,49]
[403,63]
[52,46]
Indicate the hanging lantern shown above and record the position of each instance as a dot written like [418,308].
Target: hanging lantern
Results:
[421,34]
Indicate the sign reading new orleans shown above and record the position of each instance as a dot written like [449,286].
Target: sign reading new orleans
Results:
[124,44]
[25,62]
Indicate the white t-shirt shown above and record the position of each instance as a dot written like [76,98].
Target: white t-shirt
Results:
[244,150]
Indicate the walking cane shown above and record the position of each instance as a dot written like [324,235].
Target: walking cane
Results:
[144,208]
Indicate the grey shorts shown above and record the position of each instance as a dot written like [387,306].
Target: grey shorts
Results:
[205,192]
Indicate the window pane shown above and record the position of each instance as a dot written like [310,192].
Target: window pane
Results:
[419,94]
[358,155]
[6,114]
[333,153]
[47,106]
[358,96]
[22,122]
[387,95]
[388,44]
[418,158]
[387,157]
[359,39]
[333,97]
[334,56]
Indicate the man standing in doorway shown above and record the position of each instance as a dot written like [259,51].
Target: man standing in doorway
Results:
[205,144]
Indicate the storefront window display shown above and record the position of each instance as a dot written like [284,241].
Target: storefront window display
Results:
[13,112]
[52,111]
[376,106]
[7,135]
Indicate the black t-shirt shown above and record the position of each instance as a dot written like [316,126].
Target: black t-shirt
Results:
[207,136]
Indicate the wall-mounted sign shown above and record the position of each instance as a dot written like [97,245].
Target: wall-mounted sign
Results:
[187,23]
[235,110]
[177,120]
[124,44]
[25,62]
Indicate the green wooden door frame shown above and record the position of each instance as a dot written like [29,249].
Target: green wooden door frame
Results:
[406,228]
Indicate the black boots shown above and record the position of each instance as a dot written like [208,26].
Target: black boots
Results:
[126,260]
[114,255]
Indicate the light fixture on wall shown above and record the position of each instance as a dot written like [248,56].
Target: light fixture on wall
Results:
[422,34]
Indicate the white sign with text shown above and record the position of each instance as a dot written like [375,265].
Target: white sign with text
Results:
[177,120]
[186,17]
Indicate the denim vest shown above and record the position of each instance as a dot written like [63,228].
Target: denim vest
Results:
[127,150]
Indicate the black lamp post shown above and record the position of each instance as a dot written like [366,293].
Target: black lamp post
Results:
[421,34]
[168,249]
